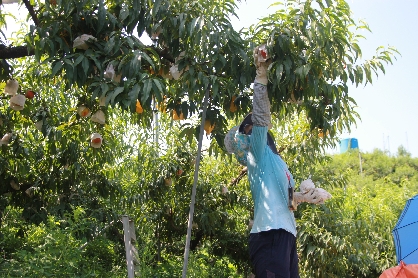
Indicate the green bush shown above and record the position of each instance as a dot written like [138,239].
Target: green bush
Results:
[47,250]
[102,252]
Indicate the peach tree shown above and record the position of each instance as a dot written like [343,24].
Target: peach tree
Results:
[80,138]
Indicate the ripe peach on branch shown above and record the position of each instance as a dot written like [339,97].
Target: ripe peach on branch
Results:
[96,140]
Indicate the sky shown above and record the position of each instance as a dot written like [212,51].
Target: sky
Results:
[389,107]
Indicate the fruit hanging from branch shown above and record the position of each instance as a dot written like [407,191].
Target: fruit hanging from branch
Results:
[82,42]
[176,116]
[17,102]
[162,106]
[96,140]
[110,72]
[99,117]
[321,133]
[83,111]
[168,181]
[14,185]
[174,72]
[102,101]
[30,94]
[138,107]
[5,140]
[11,87]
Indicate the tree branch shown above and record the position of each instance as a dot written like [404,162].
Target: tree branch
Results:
[164,53]
[240,176]
[31,12]
[12,52]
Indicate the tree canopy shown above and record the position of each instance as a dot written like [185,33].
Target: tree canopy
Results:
[314,46]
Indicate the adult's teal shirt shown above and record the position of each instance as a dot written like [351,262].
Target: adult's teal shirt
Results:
[269,179]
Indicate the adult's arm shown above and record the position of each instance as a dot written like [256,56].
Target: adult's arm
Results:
[261,106]
[261,116]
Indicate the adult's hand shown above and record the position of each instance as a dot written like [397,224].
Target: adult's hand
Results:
[262,62]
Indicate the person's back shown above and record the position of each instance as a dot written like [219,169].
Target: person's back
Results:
[269,179]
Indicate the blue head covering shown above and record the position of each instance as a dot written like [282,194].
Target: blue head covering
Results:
[238,143]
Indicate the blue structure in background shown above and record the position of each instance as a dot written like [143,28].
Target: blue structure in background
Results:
[348,144]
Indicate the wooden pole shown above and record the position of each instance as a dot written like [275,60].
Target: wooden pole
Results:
[196,175]
[128,246]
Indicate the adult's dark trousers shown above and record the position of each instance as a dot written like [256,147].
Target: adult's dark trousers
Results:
[273,254]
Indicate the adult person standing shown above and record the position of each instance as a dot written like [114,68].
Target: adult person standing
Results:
[272,240]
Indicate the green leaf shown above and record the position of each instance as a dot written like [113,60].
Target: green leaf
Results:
[130,42]
[104,88]
[192,25]
[156,92]
[57,67]
[148,58]
[124,13]
[156,7]
[146,90]
[157,82]
[218,65]
[85,65]
[110,44]
[299,71]
[182,23]
[115,93]
[69,72]
[79,59]
[306,69]
[287,65]
[215,87]
[101,20]
[97,63]
[279,72]
[134,93]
